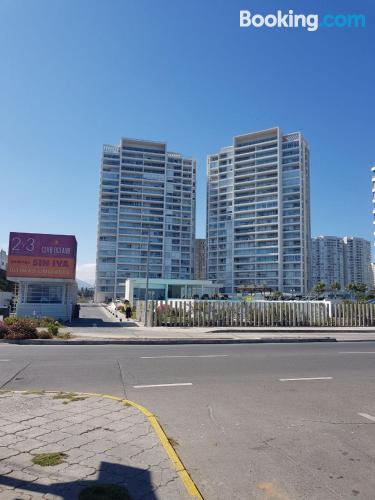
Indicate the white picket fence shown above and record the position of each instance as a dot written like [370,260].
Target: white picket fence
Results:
[185,313]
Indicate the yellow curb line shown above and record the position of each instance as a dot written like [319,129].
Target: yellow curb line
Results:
[189,484]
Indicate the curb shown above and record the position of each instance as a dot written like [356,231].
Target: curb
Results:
[179,467]
[176,341]
[299,330]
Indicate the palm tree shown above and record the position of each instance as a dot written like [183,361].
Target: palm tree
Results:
[335,286]
[361,287]
[352,289]
[319,288]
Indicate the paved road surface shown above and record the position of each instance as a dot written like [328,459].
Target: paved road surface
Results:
[245,430]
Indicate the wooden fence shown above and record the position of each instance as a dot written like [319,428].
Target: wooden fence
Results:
[253,314]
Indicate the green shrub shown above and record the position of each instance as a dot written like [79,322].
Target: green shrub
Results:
[22,329]
[45,322]
[11,320]
[53,329]
[3,329]
[65,336]
[44,334]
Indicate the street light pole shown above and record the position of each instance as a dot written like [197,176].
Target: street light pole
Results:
[147,276]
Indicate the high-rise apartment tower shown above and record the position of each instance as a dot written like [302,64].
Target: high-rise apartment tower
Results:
[258,213]
[146,215]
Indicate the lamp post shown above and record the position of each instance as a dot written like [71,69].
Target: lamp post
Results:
[147,276]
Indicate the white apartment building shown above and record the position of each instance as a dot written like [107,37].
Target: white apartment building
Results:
[258,212]
[344,260]
[146,215]
[199,259]
[373,275]
[3,260]
[357,257]
[327,257]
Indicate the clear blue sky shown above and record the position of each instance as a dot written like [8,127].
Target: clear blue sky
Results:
[79,73]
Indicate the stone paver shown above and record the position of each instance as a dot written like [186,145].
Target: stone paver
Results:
[104,441]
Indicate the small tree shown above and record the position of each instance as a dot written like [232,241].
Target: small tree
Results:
[335,286]
[351,287]
[319,288]
[361,287]
[357,289]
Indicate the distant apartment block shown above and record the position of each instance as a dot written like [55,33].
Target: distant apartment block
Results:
[3,260]
[373,275]
[357,255]
[258,213]
[343,260]
[199,259]
[146,215]
[327,256]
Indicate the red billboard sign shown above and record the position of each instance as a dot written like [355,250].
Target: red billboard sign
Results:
[41,256]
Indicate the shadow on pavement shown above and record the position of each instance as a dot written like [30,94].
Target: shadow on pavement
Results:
[137,483]
[100,323]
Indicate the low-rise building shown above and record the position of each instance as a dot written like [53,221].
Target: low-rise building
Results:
[164,289]
[43,267]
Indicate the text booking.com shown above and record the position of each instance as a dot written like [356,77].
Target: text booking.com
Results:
[311,22]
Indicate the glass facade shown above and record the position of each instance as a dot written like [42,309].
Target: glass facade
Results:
[258,213]
[146,214]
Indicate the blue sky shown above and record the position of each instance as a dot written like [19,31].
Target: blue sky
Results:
[79,73]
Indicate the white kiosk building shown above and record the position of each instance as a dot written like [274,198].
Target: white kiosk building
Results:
[43,267]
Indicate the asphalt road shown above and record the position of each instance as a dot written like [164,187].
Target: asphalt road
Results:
[244,430]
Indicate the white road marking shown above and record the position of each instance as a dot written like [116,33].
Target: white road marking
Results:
[160,385]
[357,352]
[4,359]
[187,356]
[304,378]
[366,415]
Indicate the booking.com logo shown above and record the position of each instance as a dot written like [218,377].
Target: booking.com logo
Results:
[309,21]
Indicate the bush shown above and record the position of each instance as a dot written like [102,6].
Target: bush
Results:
[44,334]
[53,329]
[22,329]
[11,320]
[3,329]
[45,322]
[65,336]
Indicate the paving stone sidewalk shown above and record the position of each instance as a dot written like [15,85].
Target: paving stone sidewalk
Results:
[104,441]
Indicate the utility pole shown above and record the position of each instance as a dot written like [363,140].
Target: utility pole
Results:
[147,276]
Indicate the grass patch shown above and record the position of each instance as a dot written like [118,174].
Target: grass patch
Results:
[64,336]
[104,492]
[69,397]
[48,459]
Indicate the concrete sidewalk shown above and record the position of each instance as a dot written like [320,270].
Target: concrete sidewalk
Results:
[219,335]
[104,441]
